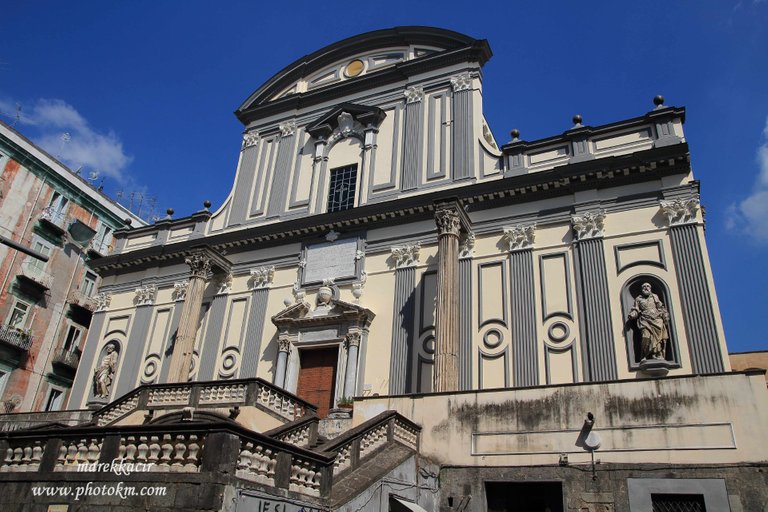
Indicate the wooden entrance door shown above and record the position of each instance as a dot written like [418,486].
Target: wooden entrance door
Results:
[317,377]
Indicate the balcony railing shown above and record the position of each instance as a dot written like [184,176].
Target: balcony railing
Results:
[67,358]
[78,298]
[15,337]
[56,219]
[36,275]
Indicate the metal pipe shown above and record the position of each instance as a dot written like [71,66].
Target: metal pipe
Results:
[23,248]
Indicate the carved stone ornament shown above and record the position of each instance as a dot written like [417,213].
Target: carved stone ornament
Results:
[261,277]
[332,236]
[102,301]
[588,225]
[359,254]
[283,344]
[353,339]
[180,290]
[406,255]
[346,123]
[250,139]
[448,222]
[224,284]
[199,265]
[519,237]
[462,81]
[680,211]
[287,129]
[467,247]
[414,94]
[357,288]
[145,295]
[298,292]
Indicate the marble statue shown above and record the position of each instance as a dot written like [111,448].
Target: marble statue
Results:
[105,372]
[652,320]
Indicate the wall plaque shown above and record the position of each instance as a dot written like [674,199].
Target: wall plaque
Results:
[330,260]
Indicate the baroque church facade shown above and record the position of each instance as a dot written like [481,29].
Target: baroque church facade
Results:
[393,311]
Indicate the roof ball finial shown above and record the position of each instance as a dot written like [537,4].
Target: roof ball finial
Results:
[577,120]
[169,211]
[206,204]
[658,100]
[515,133]
[128,221]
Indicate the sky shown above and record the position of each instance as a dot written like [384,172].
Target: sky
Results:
[146,91]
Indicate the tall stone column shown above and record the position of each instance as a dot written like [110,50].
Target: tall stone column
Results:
[283,348]
[353,346]
[181,359]
[448,219]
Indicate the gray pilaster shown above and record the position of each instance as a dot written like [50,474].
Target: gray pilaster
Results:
[402,331]
[254,333]
[597,344]
[209,350]
[524,344]
[463,145]
[698,313]
[131,354]
[168,350]
[83,377]
[280,177]
[412,140]
[244,185]
[465,324]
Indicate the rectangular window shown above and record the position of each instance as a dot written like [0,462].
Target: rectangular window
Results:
[55,398]
[4,376]
[102,239]
[678,503]
[341,192]
[72,341]
[58,203]
[43,248]
[18,316]
[88,286]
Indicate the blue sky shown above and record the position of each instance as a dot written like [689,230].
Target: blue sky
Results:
[146,91]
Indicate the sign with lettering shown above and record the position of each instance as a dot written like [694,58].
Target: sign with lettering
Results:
[330,260]
[250,501]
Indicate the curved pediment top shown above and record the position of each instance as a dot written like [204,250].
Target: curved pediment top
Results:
[338,311]
[356,57]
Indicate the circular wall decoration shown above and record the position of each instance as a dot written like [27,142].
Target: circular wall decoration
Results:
[558,332]
[493,338]
[151,366]
[429,345]
[229,362]
[354,68]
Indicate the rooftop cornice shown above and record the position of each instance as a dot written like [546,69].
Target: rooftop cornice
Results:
[563,180]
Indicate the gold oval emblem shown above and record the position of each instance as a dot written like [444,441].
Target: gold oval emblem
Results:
[354,68]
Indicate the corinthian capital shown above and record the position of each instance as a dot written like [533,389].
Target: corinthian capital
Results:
[250,139]
[288,128]
[353,339]
[102,301]
[448,221]
[462,81]
[588,225]
[406,255]
[680,211]
[519,237]
[180,290]
[261,277]
[414,94]
[199,265]
[145,295]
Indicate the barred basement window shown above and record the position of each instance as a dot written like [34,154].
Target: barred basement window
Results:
[678,503]
[341,192]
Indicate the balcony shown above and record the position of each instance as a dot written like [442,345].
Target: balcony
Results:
[98,249]
[35,276]
[16,338]
[66,361]
[81,300]
[53,220]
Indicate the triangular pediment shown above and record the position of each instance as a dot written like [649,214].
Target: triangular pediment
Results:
[336,311]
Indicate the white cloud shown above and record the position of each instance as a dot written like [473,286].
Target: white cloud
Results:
[84,146]
[751,214]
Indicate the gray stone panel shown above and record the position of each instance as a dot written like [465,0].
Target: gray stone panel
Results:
[463,161]
[525,358]
[597,344]
[209,351]
[465,324]
[402,330]
[83,377]
[132,353]
[698,313]
[170,342]
[414,132]
[244,185]
[280,177]
[254,333]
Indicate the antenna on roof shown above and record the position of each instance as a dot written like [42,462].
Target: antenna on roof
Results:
[17,117]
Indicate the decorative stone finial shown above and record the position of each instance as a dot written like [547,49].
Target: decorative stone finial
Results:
[206,204]
[515,133]
[128,221]
[658,100]
[519,237]
[169,211]
[577,120]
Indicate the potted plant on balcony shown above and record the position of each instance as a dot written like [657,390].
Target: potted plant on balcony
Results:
[345,402]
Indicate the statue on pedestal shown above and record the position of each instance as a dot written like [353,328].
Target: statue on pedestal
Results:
[105,372]
[652,320]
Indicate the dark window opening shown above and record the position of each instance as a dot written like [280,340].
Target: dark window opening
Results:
[341,192]
[678,503]
[524,496]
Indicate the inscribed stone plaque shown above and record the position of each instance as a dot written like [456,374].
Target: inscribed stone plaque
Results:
[330,260]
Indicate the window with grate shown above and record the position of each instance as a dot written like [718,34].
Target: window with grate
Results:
[678,503]
[341,192]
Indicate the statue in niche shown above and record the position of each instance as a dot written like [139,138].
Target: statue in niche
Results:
[652,319]
[105,372]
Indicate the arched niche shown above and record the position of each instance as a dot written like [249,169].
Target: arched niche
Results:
[632,289]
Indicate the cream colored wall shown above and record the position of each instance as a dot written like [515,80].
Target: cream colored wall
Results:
[689,420]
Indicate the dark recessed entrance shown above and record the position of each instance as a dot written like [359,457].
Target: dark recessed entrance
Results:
[524,496]
[317,377]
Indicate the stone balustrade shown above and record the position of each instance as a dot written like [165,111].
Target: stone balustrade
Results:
[201,395]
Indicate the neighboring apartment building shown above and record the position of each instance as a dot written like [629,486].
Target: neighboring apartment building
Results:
[530,325]
[46,307]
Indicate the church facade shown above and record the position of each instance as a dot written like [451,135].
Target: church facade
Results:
[528,322]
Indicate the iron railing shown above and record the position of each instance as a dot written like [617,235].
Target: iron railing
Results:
[15,337]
